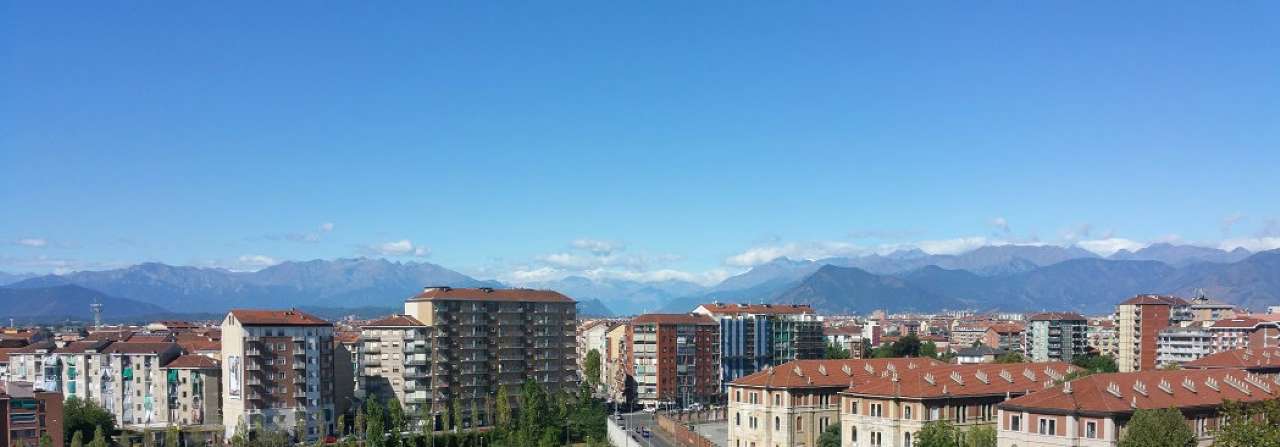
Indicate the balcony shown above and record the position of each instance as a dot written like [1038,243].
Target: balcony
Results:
[299,365]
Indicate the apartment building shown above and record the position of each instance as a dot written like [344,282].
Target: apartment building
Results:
[1101,334]
[396,362]
[194,391]
[1007,336]
[1179,345]
[1139,321]
[277,372]
[674,359]
[846,337]
[348,380]
[134,382]
[27,414]
[967,335]
[890,413]
[592,336]
[485,338]
[791,404]
[754,336]
[1205,310]
[1092,411]
[1056,336]
[615,362]
[1245,331]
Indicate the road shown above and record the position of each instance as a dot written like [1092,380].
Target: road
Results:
[641,419]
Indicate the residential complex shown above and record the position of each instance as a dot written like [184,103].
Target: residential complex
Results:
[1246,331]
[1102,336]
[277,372]
[674,359]
[484,338]
[1178,345]
[27,414]
[1056,336]
[396,358]
[1139,321]
[755,336]
[1006,336]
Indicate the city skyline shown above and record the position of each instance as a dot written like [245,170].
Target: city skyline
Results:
[641,144]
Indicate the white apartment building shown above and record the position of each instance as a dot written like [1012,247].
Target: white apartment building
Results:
[277,372]
[1175,346]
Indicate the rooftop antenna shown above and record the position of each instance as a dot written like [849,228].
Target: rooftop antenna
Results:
[96,307]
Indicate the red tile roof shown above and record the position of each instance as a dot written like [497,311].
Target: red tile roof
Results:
[489,294]
[346,336]
[152,338]
[673,319]
[395,321]
[1165,300]
[1056,316]
[84,346]
[988,379]
[110,335]
[198,345]
[1122,393]
[131,348]
[292,317]
[1252,359]
[4,354]
[829,373]
[192,361]
[1007,328]
[1241,323]
[766,309]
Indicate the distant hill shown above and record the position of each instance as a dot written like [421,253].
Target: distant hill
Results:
[850,290]
[623,297]
[10,278]
[1181,255]
[65,301]
[593,308]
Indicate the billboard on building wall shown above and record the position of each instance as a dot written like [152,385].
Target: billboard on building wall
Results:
[233,376]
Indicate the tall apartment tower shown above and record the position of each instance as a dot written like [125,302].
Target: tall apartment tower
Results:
[485,337]
[757,336]
[674,359]
[1057,336]
[1139,321]
[277,372]
[395,359]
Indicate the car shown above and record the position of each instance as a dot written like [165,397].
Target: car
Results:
[617,417]
[645,433]
[650,410]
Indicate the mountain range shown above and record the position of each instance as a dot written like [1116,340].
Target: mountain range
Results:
[1009,277]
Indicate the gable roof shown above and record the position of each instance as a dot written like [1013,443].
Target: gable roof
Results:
[1246,358]
[395,321]
[1007,328]
[758,309]
[192,361]
[131,348]
[1057,316]
[291,317]
[84,346]
[673,319]
[490,294]
[1163,300]
[837,374]
[949,381]
[1123,393]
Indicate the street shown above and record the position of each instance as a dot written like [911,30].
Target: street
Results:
[642,419]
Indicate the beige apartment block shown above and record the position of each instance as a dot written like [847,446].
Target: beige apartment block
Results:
[396,355]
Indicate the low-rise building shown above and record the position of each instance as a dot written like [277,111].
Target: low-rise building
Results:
[791,404]
[1178,345]
[978,354]
[891,413]
[1093,411]
[846,337]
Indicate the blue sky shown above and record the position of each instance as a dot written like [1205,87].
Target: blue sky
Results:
[674,140]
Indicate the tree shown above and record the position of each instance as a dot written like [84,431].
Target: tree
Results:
[99,438]
[300,425]
[830,437]
[77,440]
[455,409]
[375,424]
[1010,357]
[1157,428]
[85,417]
[980,436]
[1096,363]
[45,440]
[397,424]
[503,417]
[172,436]
[835,352]
[426,419]
[360,423]
[591,367]
[342,426]
[1249,425]
[928,349]
[474,414]
[937,434]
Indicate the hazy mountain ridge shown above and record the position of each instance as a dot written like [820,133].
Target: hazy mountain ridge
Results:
[68,301]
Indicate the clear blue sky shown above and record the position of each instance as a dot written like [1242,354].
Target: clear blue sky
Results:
[696,138]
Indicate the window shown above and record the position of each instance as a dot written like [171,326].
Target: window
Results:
[738,395]
[777,423]
[906,440]
[876,438]
[877,410]
[1091,429]
[1048,426]
[853,434]
[737,419]
[853,406]
[777,399]
[1015,423]
[798,424]
[906,412]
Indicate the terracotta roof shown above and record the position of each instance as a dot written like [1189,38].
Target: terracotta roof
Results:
[109,335]
[1007,328]
[197,345]
[1165,300]
[150,338]
[842,330]
[1241,323]
[1267,358]
[946,381]
[346,336]
[490,294]
[84,346]
[291,317]
[1122,393]
[673,319]
[1054,316]
[192,361]
[829,373]
[45,346]
[395,321]
[140,348]
[773,309]
[4,354]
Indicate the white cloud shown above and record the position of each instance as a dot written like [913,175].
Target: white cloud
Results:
[34,242]
[955,246]
[1001,224]
[326,227]
[1230,221]
[256,262]
[1078,232]
[1108,246]
[1252,244]
[596,246]
[403,247]
[809,250]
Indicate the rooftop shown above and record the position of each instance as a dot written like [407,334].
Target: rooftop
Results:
[673,319]
[131,348]
[395,321]
[1123,393]
[757,309]
[192,361]
[1164,300]
[948,381]
[490,294]
[1057,316]
[829,373]
[291,317]
[1252,359]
